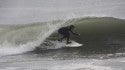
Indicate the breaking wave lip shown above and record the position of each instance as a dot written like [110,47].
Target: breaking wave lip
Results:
[9,50]
[21,39]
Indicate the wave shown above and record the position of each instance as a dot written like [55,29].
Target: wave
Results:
[99,34]
[16,39]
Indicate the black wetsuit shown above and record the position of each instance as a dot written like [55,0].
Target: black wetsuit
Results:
[65,31]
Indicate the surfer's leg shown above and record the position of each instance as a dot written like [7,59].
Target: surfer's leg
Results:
[63,33]
[68,38]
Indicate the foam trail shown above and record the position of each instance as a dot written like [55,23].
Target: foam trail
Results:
[81,66]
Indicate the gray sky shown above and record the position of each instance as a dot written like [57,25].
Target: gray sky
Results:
[29,11]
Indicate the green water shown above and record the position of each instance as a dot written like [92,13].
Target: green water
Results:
[99,35]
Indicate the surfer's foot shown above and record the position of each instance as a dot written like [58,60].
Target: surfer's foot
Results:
[69,42]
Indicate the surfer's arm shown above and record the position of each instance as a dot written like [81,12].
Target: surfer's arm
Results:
[74,32]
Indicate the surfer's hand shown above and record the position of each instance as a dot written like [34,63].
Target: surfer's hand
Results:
[78,34]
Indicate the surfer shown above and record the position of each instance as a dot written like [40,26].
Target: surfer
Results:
[65,32]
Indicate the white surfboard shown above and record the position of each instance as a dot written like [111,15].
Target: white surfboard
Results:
[58,44]
[73,44]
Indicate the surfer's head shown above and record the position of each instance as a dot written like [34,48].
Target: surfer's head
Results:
[71,26]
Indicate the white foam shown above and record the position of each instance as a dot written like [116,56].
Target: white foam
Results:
[10,45]
[81,66]
[74,44]
[57,44]
[54,45]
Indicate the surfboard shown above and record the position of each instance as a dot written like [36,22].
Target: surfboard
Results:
[73,44]
[57,44]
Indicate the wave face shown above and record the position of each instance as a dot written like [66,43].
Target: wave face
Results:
[95,32]
[94,29]
[100,34]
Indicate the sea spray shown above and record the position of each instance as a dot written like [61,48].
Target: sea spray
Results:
[25,38]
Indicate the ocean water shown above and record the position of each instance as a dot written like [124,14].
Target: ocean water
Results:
[35,46]
[28,34]
[45,61]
